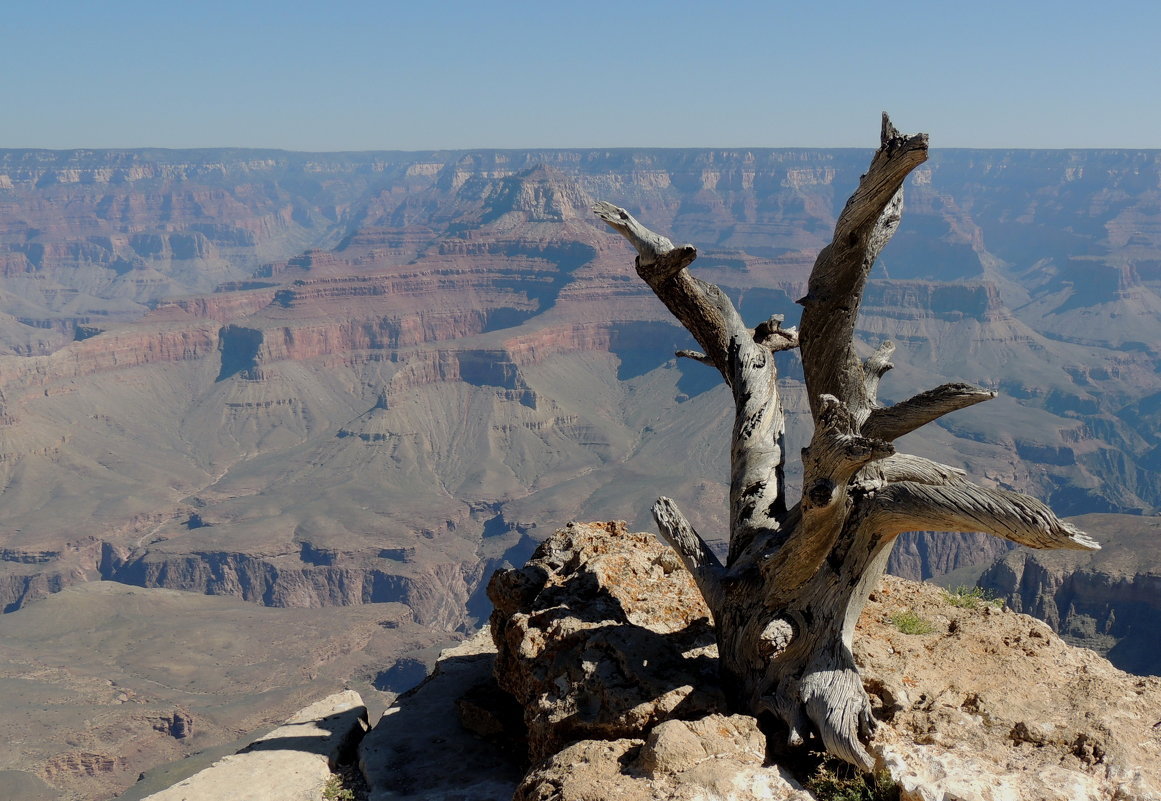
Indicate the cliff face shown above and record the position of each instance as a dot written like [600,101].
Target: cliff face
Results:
[1108,601]
[923,555]
[437,595]
[93,237]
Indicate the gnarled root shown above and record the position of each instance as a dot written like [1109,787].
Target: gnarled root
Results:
[826,700]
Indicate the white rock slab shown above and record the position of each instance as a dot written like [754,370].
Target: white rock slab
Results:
[291,763]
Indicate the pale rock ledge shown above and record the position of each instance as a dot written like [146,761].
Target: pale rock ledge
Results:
[292,763]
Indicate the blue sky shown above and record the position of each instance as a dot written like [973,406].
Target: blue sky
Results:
[363,75]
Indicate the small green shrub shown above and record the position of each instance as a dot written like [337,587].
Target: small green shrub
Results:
[333,790]
[910,623]
[837,781]
[966,597]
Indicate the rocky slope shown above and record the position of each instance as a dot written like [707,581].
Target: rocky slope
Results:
[605,645]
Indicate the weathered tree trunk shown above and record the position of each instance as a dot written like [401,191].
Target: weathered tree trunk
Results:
[796,578]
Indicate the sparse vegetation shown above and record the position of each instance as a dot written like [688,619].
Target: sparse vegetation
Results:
[834,780]
[334,790]
[910,622]
[966,597]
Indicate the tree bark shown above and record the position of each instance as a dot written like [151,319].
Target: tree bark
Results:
[786,601]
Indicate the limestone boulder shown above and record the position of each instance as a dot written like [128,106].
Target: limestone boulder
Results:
[602,635]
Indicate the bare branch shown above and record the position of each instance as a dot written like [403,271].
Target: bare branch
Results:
[696,355]
[885,227]
[774,336]
[695,554]
[876,365]
[840,272]
[652,248]
[906,416]
[757,452]
[701,307]
[964,506]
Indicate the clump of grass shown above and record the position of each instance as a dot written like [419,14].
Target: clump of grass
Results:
[837,781]
[333,790]
[910,623]
[966,597]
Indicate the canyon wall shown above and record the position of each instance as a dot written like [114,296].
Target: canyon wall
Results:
[1108,601]
[348,290]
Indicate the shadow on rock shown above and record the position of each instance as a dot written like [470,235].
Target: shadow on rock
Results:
[602,642]
[420,749]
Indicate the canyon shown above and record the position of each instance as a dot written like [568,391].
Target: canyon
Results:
[316,382]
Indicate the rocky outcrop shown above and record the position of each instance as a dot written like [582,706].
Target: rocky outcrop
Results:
[28,575]
[437,594]
[716,756]
[1026,717]
[574,647]
[916,300]
[18,589]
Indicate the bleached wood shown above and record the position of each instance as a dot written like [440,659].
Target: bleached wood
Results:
[696,355]
[786,602]
[906,416]
[905,467]
[702,308]
[695,554]
[651,247]
[835,288]
[964,506]
[757,445]
[747,366]
[774,336]
[876,365]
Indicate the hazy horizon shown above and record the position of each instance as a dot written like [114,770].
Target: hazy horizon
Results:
[550,148]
